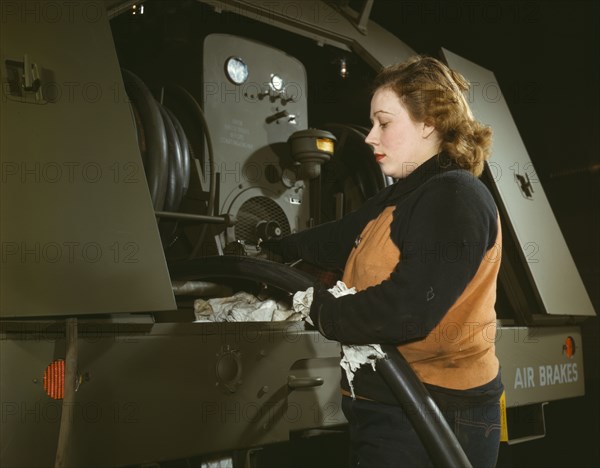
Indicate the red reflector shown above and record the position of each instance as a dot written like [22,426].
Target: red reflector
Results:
[54,379]
[569,347]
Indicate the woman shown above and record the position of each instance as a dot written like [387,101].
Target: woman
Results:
[423,255]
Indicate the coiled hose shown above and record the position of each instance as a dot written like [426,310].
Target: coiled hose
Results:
[165,148]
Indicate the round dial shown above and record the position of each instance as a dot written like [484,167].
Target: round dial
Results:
[237,70]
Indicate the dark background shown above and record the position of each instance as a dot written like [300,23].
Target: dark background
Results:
[545,55]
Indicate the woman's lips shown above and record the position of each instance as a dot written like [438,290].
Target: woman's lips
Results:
[379,156]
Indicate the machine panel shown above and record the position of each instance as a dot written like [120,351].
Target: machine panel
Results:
[254,100]
[77,228]
[180,390]
[542,245]
[540,364]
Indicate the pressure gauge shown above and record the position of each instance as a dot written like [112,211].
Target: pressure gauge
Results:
[276,82]
[237,70]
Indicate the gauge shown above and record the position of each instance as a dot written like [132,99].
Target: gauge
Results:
[276,82]
[237,70]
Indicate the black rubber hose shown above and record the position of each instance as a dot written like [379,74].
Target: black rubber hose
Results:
[156,168]
[172,199]
[274,274]
[182,92]
[212,189]
[425,416]
[185,154]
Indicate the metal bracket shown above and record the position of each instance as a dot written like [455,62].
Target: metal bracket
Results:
[24,81]
[361,20]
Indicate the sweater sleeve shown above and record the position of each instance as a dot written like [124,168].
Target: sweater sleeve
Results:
[450,227]
[328,245]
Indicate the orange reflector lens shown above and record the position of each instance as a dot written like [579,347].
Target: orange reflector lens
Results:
[325,144]
[569,347]
[54,379]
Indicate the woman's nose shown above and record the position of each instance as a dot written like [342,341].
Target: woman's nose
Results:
[370,139]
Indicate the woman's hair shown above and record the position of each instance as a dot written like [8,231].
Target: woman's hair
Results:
[433,93]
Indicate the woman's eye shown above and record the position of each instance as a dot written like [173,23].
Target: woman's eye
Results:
[383,124]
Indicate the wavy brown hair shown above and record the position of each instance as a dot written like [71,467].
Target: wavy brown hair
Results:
[435,94]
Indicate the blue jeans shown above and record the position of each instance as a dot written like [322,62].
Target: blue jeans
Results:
[381,435]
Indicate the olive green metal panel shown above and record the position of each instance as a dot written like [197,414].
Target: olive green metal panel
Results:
[542,246]
[169,392]
[326,24]
[77,228]
[29,419]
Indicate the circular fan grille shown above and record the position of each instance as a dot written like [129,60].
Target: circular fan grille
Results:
[255,210]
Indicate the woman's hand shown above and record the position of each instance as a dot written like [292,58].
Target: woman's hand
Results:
[272,249]
[321,299]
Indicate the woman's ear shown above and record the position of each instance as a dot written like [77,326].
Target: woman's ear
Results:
[427,131]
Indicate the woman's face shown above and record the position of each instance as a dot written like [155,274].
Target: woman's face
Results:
[400,144]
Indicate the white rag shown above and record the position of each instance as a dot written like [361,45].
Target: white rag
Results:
[353,356]
[243,307]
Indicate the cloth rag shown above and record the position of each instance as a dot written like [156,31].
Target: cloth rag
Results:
[243,307]
[353,356]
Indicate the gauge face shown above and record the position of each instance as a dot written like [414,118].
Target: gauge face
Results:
[276,82]
[237,70]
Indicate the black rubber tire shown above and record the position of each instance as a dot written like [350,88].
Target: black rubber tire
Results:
[273,274]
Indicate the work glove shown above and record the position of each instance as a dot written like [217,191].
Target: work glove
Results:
[283,249]
[272,249]
[322,299]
